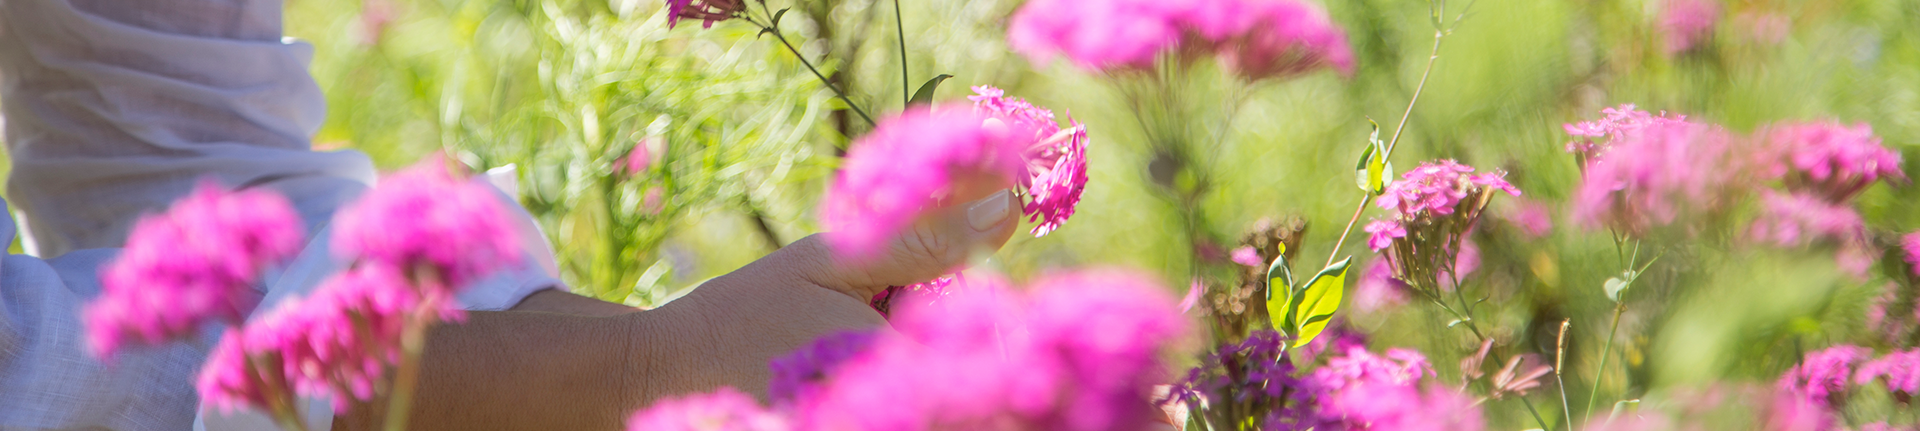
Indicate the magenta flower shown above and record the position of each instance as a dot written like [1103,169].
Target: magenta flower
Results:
[1534,219]
[925,292]
[1377,289]
[1357,366]
[1910,244]
[194,264]
[1688,23]
[710,11]
[1822,377]
[725,409]
[1653,175]
[1284,38]
[1798,219]
[1900,371]
[1437,188]
[1401,408]
[1433,207]
[1832,161]
[426,218]
[1383,232]
[1618,122]
[909,164]
[1096,34]
[1246,255]
[644,154]
[1056,159]
[801,372]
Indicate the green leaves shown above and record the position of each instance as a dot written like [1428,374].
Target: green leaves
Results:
[1373,172]
[1305,311]
[924,96]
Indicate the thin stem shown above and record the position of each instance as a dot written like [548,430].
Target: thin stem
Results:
[413,342]
[1432,56]
[900,29]
[1559,363]
[816,72]
[1605,353]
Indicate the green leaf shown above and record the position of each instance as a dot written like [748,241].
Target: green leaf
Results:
[777,15]
[1373,172]
[1616,285]
[1279,278]
[924,96]
[1315,305]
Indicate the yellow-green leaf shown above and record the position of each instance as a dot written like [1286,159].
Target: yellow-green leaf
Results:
[1316,303]
[1279,290]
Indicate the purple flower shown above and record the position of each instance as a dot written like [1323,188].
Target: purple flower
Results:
[1650,176]
[194,264]
[908,165]
[710,11]
[1823,376]
[1056,159]
[1832,161]
[725,409]
[1687,23]
[1284,38]
[426,218]
[802,371]
[1900,371]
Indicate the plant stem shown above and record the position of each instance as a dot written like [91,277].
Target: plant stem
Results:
[816,72]
[1559,363]
[1432,56]
[900,30]
[413,342]
[1605,353]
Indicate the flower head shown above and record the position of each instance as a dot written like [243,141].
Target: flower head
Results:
[426,218]
[1256,38]
[1284,38]
[1096,34]
[1618,122]
[1055,159]
[194,264]
[644,155]
[1688,23]
[1651,176]
[1377,289]
[1832,161]
[1247,255]
[1823,376]
[1910,245]
[908,165]
[725,409]
[710,11]
[1900,371]
[1433,207]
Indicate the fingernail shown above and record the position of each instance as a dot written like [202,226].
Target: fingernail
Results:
[987,213]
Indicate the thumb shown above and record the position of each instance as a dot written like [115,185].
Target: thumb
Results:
[939,242]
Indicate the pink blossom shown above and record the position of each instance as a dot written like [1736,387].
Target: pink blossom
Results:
[1194,291]
[1534,219]
[725,409]
[907,165]
[1910,244]
[1377,289]
[1357,366]
[1095,34]
[1383,232]
[1833,161]
[1249,257]
[1653,175]
[1402,408]
[924,292]
[644,154]
[1823,375]
[1618,122]
[1688,23]
[1793,412]
[710,11]
[194,264]
[1900,371]
[1767,28]
[1437,188]
[228,382]
[1797,219]
[1056,159]
[425,217]
[1285,38]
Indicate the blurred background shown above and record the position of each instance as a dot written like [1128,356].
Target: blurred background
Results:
[739,140]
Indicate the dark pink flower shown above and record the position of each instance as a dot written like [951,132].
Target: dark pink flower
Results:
[425,217]
[1246,255]
[1900,371]
[1433,207]
[1377,289]
[1823,376]
[1437,188]
[710,11]
[194,264]
[1284,38]
[908,165]
[1401,408]
[1383,232]
[800,372]
[1910,244]
[645,153]
[1356,366]
[1833,161]
[725,409]
[1688,23]
[1651,176]
[1597,135]
[1534,219]
[1055,158]
[1096,34]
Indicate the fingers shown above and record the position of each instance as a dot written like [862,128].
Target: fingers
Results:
[948,239]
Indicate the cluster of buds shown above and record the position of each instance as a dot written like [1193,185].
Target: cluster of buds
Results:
[1433,207]
[1240,308]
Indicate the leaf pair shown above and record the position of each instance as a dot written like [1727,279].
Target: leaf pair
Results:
[1304,311]
[1373,172]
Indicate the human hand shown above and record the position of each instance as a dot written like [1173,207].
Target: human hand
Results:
[938,243]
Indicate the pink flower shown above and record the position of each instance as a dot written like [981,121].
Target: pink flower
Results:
[1402,408]
[644,154]
[909,164]
[194,264]
[1096,34]
[1194,291]
[1651,176]
[1437,188]
[1246,255]
[1056,159]
[1383,232]
[1377,289]
[725,409]
[1900,371]
[1534,219]
[1285,38]
[1823,376]
[1356,366]
[1619,121]
[1794,412]
[1688,23]
[925,292]
[710,11]
[1910,243]
[425,217]
[229,382]
[1798,219]
[1833,161]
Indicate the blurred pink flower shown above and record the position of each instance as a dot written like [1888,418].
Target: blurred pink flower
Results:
[1618,122]
[1055,158]
[1649,177]
[1194,291]
[1532,218]
[425,217]
[1823,375]
[1910,244]
[1766,28]
[1284,38]
[907,165]
[725,409]
[1793,412]
[1357,366]
[654,200]
[1797,219]
[1096,34]
[1832,161]
[1402,408]
[1688,23]
[1377,289]
[710,11]
[1900,371]
[1256,38]
[925,292]
[1383,232]
[194,264]
[644,154]
[1246,255]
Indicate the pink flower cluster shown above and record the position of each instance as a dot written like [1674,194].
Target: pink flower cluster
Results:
[1618,122]
[1056,158]
[709,11]
[1433,190]
[192,265]
[915,161]
[1833,161]
[1823,375]
[1652,175]
[723,410]
[1688,23]
[1910,245]
[1809,395]
[416,240]
[1080,352]
[1363,391]
[1256,38]
[1899,371]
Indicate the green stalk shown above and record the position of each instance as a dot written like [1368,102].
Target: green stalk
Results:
[900,30]
[816,72]
[1605,353]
